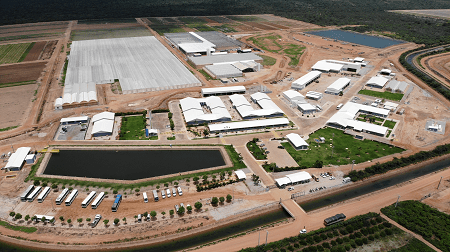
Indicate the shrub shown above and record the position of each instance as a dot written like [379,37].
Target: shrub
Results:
[335,233]
[290,248]
[222,199]
[349,229]
[296,245]
[320,248]
[358,234]
[373,222]
[44,184]
[359,242]
[36,183]
[365,240]
[352,236]
[12,214]
[317,238]
[333,243]
[115,192]
[348,247]
[343,231]
[339,240]
[379,219]
[326,245]
[313,249]
[229,197]
[387,224]
[388,231]
[353,244]
[198,205]
[330,235]
[214,200]
[323,236]
[377,236]
[371,237]
[303,242]
[364,231]
[346,239]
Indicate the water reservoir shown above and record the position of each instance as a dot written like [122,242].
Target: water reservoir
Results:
[357,38]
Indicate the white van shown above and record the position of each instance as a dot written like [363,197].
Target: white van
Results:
[145,197]
[139,218]
[339,106]
[179,191]
[168,193]
[163,194]
[174,192]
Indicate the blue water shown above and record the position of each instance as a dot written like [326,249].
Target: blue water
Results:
[357,38]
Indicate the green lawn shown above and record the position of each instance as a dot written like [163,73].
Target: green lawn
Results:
[294,52]
[256,151]
[207,76]
[389,124]
[18,228]
[264,42]
[268,61]
[171,138]
[9,128]
[383,95]
[133,128]
[360,151]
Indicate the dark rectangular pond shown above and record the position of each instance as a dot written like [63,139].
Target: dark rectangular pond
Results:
[357,38]
[130,164]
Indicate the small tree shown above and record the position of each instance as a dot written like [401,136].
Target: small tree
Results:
[80,220]
[27,217]
[12,214]
[196,179]
[36,183]
[176,183]
[135,217]
[116,221]
[230,173]
[171,212]
[222,175]
[157,187]
[18,216]
[137,190]
[115,192]
[88,219]
[214,201]
[181,210]
[68,221]
[124,219]
[205,132]
[229,197]
[153,214]
[198,205]
[166,184]
[188,180]
[189,209]
[163,213]
[106,221]
[54,186]
[44,184]
[255,179]
[222,199]
[145,214]
[61,218]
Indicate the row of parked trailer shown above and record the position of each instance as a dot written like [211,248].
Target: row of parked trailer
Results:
[163,194]
[31,192]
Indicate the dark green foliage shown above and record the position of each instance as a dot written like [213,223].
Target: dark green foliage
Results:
[414,245]
[359,242]
[326,245]
[333,243]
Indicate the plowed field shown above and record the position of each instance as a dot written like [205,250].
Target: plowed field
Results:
[21,72]
[35,51]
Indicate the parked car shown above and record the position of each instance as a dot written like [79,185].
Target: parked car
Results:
[174,192]
[290,189]
[332,178]
[303,231]
[163,194]
[177,208]
[168,193]
[180,192]
[97,219]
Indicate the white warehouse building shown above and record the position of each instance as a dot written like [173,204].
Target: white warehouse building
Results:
[223,90]
[194,114]
[377,82]
[338,86]
[294,97]
[297,141]
[16,160]
[305,80]
[103,124]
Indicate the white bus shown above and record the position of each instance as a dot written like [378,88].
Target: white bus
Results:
[62,196]
[43,194]
[24,195]
[71,197]
[34,193]
[98,200]
[88,199]
[145,197]
[155,195]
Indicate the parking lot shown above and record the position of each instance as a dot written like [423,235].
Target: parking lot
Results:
[71,132]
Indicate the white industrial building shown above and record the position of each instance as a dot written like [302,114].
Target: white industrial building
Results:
[223,90]
[58,103]
[229,58]
[248,125]
[245,109]
[358,60]
[306,108]
[74,120]
[386,72]
[103,124]
[223,71]
[16,160]
[297,141]
[294,178]
[305,80]
[294,97]
[313,95]
[377,82]
[30,158]
[141,64]
[395,86]
[390,106]
[194,114]
[264,101]
[336,66]
[338,86]
[345,118]
[240,175]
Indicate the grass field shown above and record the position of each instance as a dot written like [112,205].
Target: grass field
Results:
[30,36]
[383,95]
[14,53]
[8,128]
[246,18]
[18,228]
[389,124]
[256,151]
[268,61]
[133,128]
[110,33]
[268,43]
[207,76]
[225,28]
[294,51]
[346,149]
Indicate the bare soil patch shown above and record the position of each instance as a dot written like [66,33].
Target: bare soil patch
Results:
[48,50]
[21,72]
[209,20]
[261,26]
[244,28]
[15,102]
[276,25]
[35,52]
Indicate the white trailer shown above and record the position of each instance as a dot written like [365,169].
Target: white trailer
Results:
[71,197]
[24,195]
[88,199]
[155,195]
[62,196]
[34,193]
[43,194]
[145,197]
[98,200]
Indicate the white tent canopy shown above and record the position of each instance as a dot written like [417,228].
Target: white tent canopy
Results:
[298,177]
[240,174]
[296,140]
[377,81]
[283,181]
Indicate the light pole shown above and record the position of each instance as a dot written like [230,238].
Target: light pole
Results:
[267,234]
[397,201]
[259,237]
[439,183]
[353,163]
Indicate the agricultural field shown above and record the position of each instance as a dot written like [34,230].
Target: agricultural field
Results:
[346,148]
[192,20]
[21,74]
[246,18]
[133,128]
[220,19]
[268,61]
[414,245]
[124,32]
[430,223]
[201,27]
[271,44]
[14,53]
[225,28]
[355,234]
[383,95]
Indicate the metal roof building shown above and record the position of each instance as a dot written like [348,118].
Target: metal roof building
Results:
[74,120]
[58,103]
[223,71]
[306,108]
[377,81]
[223,90]
[103,115]
[297,141]
[325,66]
[264,101]
[226,58]
[245,125]
[305,80]
[17,159]
[294,96]
[338,86]
[194,114]
[314,95]
[103,124]
[246,110]
[201,42]
[221,40]
[240,175]
[390,105]
[298,177]
[397,86]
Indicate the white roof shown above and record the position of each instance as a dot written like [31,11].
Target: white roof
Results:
[224,70]
[293,95]
[345,117]
[58,102]
[240,174]
[245,109]
[296,140]
[358,59]
[260,96]
[193,111]
[103,115]
[283,181]
[74,119]
[326,66]
[264,101]
[222,90]
[239,100]
[17,158]
[386,71]
[314,95]
[379,81]
[248,124]
[397,85]
[338,85]
[30,156]
[153,131]
[302,81]
[306,107]
[391,104]
[103,126]
[299,176]
[197,47]
[227,58]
